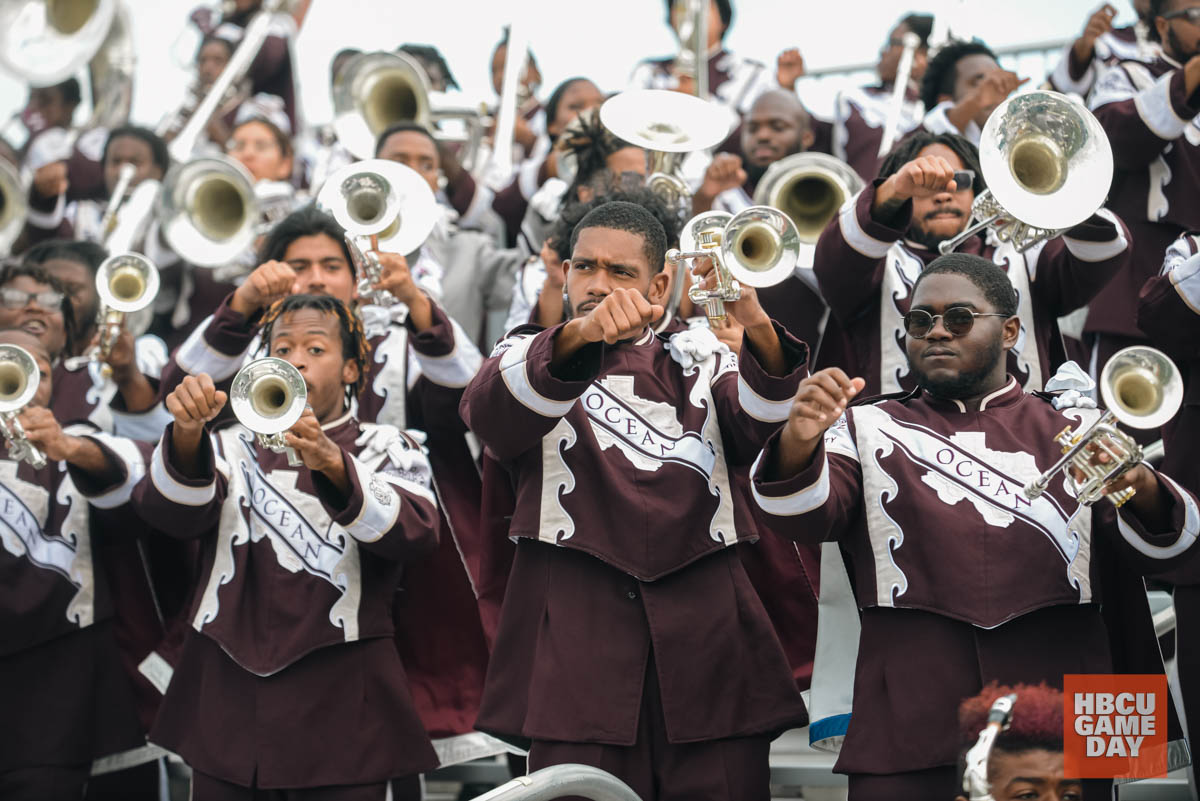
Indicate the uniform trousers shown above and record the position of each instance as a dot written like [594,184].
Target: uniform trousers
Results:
[733,769]
[210,788]
[45,783]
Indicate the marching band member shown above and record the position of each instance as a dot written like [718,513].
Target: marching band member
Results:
[924,492]
[620,445]
[66,700]
[733,80]
[477,277]
[1148,112]
[290,678]
[962,86]
[868,259]
[1102,44]
[860,114]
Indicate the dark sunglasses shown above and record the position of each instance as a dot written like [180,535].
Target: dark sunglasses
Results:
[963,179]
[958,321]
[1192,14]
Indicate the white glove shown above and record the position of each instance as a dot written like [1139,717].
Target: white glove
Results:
[694,346]
[1073,399]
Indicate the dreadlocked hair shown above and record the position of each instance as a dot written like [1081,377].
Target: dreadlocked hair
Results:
[591,144]
[354,338]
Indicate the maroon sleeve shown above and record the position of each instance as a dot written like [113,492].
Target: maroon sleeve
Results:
[511,205]
[388,515]
[217,347]
[1073,268]
[448,362]
[515,400]
[1171,553]
[176,504]
[461,192]
[753,404]
[1169,310]
[849,259]
[1141,123]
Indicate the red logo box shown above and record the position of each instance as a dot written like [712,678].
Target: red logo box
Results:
[1115,726]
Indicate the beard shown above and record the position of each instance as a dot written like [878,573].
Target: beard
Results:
[968,382]
[1176,47]
[926,238]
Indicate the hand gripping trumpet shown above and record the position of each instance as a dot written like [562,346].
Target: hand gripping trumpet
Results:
[268,396]
[1142,388]
[126,283]
[757,247]
[385,199]
[18,385]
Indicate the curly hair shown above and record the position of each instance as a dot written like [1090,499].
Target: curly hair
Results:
[559,239]
[1037,718]
[991,279]
[942,72]
[620,215]
[354,339]
[590,143]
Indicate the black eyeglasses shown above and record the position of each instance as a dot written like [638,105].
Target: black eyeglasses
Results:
[1192,14]
[958,321]
[18,299]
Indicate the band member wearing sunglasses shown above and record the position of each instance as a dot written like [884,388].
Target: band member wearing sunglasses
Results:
[957,573]
[868,259]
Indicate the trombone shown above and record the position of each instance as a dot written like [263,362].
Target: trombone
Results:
[1048,166]
[379,198]
[19,379]
[1141,387]
[268,397]
[127,284]
[758,247]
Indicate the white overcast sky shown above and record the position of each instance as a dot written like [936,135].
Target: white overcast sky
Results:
[601,39]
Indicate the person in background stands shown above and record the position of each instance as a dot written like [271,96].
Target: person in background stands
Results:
[1102,44]
[962,86]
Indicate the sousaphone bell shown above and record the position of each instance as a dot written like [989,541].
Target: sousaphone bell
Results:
[1047,164]
[208,211]
[19,378]
[268,396]
[810,188]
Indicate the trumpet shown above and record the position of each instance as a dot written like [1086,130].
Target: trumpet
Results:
[757,247]
[127,283]
[18,384]
[1048,166]
[668,126]
[268,397]
[1141,388]
[385,199]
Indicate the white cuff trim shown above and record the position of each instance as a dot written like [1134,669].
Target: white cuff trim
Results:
[135,468]
[380,506]
[174,491]
[48,220]
[455,369]
[1098,251]
[1154,107]
[856,237]
[760,408]
[1185,277]
[514,369]
[797,503]
[1187,537]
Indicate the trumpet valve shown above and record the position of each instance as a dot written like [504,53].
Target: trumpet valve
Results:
[1067,439]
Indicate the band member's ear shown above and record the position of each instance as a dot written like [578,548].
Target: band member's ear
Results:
[566,271]
[1011,332]
[807,139]
[350,372]
[660,285]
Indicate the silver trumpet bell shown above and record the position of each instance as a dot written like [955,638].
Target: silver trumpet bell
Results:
[45,42]
[667,125]
[1141,388]
[208,210]
[382,198]
[1047,164]
[19,378]
[127,284]
[758,247]
[268,396]
[810,188]
[13,207]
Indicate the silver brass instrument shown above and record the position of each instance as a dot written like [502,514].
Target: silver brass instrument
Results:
[268,397]
[384,199]
[810,188]
[124,179]
[19,379]
[208,210]
[975,780]
[1048,166]
[667,125]
[691,28]
[758,247]
[127,284]
[256,32]
[13,206]
[899,89]
[45,42]
[1141,388]
[559,781]
[373,91]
